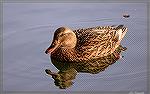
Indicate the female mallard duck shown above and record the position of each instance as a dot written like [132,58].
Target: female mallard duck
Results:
[86,47]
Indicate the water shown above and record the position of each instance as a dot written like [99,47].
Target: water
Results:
[28,30]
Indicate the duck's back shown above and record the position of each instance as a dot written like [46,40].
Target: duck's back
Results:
[98,41]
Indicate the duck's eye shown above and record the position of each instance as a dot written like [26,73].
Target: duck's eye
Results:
[61,35]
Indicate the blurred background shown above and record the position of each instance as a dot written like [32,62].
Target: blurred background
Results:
[28,30]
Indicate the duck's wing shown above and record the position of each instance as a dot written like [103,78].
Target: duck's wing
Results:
[99,41]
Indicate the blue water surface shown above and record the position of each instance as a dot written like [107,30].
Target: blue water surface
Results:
[28,30]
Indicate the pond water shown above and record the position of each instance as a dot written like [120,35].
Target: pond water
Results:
[28,30]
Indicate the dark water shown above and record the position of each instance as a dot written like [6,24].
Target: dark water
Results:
[28,30]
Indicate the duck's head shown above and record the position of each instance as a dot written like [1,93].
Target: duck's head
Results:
[63,38]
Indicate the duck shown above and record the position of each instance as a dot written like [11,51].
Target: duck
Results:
[89,50]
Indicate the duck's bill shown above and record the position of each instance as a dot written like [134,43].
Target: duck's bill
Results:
[51,49]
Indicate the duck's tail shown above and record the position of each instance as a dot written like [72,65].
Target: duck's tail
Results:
[121,31]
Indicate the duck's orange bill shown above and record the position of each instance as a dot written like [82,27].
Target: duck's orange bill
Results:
[51,49]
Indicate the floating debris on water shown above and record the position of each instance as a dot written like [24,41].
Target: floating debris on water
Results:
[126,15]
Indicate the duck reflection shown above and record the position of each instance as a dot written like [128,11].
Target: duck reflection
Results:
[68,71]
[63,79]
